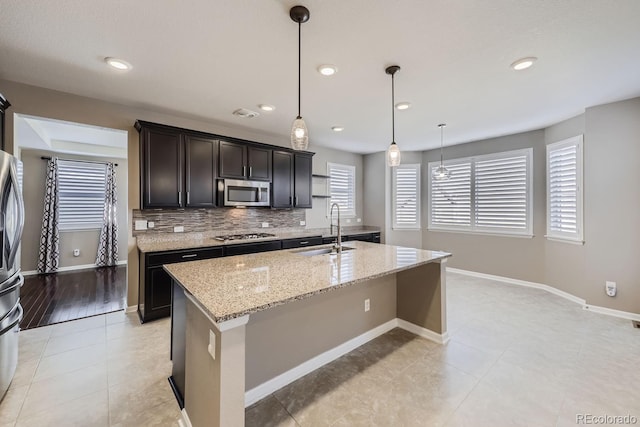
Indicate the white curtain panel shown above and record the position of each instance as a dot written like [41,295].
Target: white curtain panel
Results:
[49,254]
[108,246]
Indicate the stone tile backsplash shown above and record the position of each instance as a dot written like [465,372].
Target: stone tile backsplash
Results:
[229,220]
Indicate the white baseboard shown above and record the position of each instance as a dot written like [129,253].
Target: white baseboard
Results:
[263,390]
[551,289]
[423,332]
[71,268]
[184,421]
[131,309]
[612,312]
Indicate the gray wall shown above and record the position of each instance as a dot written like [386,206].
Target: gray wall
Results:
[35,171]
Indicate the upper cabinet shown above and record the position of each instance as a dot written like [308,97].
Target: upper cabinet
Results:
[4,104]
[243,161]
[291,180]
[178,169]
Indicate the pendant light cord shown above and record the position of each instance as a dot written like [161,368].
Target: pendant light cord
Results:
[299,61]
[441,142]
[393,111]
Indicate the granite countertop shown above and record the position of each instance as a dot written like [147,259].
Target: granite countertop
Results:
[159,242]
[234,286]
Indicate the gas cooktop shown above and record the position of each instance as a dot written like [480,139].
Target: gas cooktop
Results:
[244,236]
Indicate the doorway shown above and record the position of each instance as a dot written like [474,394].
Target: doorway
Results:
[76,288]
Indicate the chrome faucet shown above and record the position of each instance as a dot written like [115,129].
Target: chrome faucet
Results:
[338,245]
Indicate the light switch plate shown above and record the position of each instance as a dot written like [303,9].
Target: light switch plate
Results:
[303,222]
[140,224]
[178,229]
[265,225]
[150,224]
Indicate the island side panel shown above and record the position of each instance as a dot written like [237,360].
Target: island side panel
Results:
[214,389]
[283,337]
[422,296]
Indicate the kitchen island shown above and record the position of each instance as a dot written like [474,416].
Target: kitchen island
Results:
[251,324]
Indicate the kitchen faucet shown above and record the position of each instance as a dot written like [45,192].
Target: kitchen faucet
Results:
[338,244]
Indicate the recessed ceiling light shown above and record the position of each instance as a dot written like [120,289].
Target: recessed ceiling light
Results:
[118,64]
[327,70]
[266,107]
[245,113]
[403,105]
[524,63]
[337,128]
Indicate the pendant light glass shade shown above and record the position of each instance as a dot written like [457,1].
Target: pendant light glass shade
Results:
[393,152]
[299,134]
[441,173]
[393,155]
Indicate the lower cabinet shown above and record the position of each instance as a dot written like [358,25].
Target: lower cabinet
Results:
[154,290]
[302,242]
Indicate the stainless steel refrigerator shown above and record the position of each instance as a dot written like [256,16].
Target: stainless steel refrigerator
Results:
[11,224]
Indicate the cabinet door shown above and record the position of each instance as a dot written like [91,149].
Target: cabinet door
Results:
[158,298]
[302,181]
[201,171]
[233,160]
[282,184]
[259,161]
[162,183]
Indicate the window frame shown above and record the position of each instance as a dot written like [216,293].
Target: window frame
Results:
[472,228]
[394,190]
[351,170]
[578,237]
[79,226]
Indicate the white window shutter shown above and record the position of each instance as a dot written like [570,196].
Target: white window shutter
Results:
[501,193]
[406,197]
[564,189]
[81,192]
[342,188]
[451,199]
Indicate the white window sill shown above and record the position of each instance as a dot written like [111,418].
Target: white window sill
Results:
[406,228]
[565,240]
[481,233]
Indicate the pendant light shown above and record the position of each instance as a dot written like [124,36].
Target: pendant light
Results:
[299,132]
[441,173]
[393,152]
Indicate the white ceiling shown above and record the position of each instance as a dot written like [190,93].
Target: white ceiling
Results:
[206,58]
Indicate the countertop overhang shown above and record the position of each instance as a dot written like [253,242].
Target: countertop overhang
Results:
[231,287]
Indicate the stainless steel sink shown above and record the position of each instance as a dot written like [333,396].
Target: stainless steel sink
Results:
[321,251]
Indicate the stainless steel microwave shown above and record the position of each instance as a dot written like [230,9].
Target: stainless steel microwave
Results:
[238,192]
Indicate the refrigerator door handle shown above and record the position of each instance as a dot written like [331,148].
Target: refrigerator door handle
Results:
[13,251]
[16,317]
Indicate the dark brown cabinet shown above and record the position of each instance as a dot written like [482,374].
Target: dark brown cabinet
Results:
[291,180]
[4,104]
[178,168]
[242,161]
[301,242]
[154,291]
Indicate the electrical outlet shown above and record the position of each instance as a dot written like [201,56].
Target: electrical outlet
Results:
[76,252]
[303,222]
[611,288]
[140,224]
[178,229]
[265,225]
[151,224]
[367,305]
[211,348]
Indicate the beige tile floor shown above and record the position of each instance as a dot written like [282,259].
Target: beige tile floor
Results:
[517,357]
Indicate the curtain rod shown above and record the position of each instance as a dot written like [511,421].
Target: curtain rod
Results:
[75,160]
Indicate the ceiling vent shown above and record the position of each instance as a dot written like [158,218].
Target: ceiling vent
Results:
[247,114]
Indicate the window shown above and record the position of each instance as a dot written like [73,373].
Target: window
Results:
[342,188]
[564,190]
[485,194]
[81,192]
[406,197]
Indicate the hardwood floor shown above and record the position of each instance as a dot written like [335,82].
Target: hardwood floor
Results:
[60,297]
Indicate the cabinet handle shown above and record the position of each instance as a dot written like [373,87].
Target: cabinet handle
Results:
[296,203]
[189,256]
[179,197]
[244,170]
[250,171]
[188,197]
[304,243]
[259,195]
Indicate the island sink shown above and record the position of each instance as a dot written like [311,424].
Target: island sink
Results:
[322,251]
